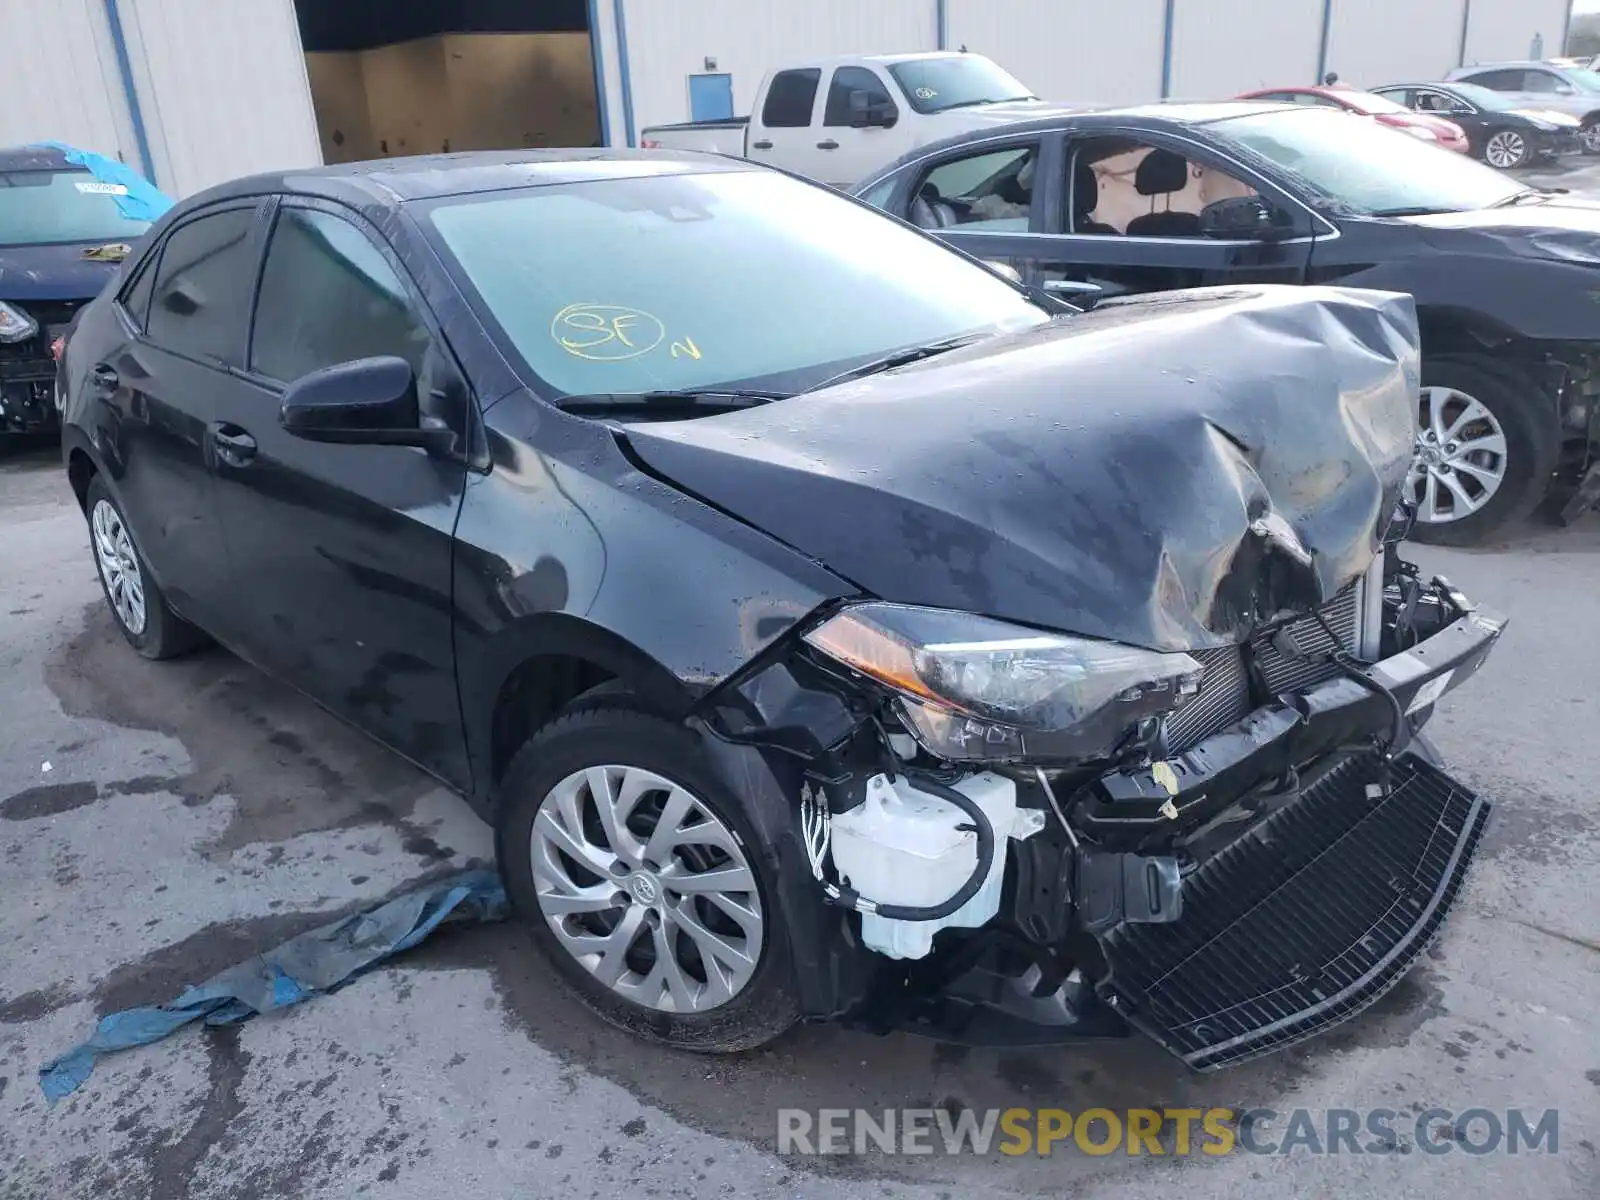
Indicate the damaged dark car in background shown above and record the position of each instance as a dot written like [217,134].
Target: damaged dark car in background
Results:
[897,646]
[68,217]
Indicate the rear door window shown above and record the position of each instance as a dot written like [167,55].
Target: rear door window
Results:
[988,191]
[198,306]
[329,295]
[791,98]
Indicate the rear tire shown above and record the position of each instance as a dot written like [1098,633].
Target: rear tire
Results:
[559,854]
[137,606]
[1589,137]
[1487,446]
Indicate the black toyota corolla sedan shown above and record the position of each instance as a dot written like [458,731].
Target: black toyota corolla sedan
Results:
[1125,201]
[830,627]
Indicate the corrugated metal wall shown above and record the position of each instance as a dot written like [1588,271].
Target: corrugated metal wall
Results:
[1501,29]
[670,41]
[59,79]
[222,84]
[1372,42]
[1067,49]
[1217,45]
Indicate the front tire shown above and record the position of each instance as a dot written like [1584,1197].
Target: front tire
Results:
[1589,136]
[1507,150]
[133,596]
[1486,447]
[642,883]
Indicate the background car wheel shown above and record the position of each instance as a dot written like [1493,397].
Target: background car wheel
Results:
[1589,135]
[1507,150]
[632,864]
[1487,444]
[135,600]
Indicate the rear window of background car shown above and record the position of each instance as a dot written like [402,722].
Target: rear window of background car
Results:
[328,296]
[790,99]
[197,308]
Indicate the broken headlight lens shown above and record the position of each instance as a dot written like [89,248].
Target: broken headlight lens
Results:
[15,324]
[975,688]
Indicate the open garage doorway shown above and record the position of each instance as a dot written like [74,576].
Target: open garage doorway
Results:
[397,77]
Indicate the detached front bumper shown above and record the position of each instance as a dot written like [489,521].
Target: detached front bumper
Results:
[1313,913]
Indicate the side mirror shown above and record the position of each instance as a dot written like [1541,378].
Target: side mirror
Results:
[1566,89]
[867,113]
[1238,218]
[1006,269]
[371,401]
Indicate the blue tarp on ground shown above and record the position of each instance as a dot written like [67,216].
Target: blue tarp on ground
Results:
[143,201]
[317,961]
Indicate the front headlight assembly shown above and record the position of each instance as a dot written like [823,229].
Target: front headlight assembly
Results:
[15,324]
[970,688]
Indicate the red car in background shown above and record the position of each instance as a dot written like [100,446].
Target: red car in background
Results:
[1381,109]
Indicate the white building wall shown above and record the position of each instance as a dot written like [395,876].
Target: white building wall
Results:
[222,85]
[1505,29]
[669,41]
[1068,50]
[59,78]
[1372,42]
[1224,47]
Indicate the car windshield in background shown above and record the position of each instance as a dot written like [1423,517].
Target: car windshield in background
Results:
[42,207]
[725,279]
[1588,81]
[1366,168]
[936,84]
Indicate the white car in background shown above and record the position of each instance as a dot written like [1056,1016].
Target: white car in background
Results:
[837,120]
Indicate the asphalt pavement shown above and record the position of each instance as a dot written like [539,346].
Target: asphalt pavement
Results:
[161,821]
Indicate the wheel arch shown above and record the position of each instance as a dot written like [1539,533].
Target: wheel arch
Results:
[534,669]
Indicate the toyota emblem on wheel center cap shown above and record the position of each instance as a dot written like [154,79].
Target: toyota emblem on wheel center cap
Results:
[644,889]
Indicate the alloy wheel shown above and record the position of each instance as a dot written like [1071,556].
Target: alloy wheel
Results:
[1460,459]
[1505,149]
[1589,135]
[647,889]
[119,566]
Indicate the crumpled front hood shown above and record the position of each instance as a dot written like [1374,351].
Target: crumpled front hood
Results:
[1169,471]
[51,272]
[1567,229]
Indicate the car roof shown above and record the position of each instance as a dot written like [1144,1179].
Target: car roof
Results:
[1495,66]
[395,181]
[34,158]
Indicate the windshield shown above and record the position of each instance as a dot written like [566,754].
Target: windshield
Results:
[936,84]
[1368,103]
[1366,168]
[730,278]
[41,207]
[1587,81]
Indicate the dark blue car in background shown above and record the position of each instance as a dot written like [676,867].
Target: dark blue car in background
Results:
[67,219]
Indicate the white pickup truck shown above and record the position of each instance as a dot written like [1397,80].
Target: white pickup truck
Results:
[839,119]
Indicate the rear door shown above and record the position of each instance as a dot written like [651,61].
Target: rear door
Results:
[1126,226]
[182,319]
[341,554]
[781,132]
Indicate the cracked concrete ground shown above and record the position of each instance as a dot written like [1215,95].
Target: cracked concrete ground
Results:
[195,812]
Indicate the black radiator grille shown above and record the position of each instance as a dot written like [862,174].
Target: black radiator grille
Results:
[1224,697]
[1305,922]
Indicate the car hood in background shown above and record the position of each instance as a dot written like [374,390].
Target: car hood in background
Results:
[1169,471]
[52,272]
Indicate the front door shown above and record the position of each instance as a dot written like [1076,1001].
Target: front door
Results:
[342,554]
[1128,220]
[848,154]
[988,200]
